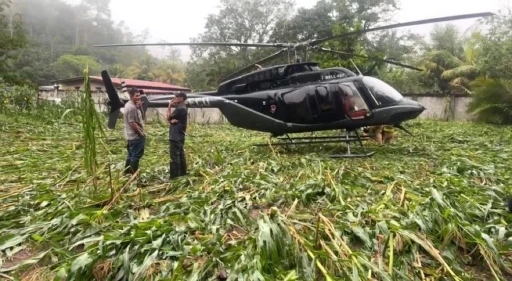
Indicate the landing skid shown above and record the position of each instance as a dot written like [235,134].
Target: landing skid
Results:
[287,140]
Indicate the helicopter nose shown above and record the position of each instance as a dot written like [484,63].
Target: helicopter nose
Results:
[407,110]
[413,105]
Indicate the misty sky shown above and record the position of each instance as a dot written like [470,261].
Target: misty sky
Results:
[178,21]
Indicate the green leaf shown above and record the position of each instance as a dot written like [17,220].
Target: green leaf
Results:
[489,242]
[150,259]
[80,263]
[13,242]
[30,261]
[361,233]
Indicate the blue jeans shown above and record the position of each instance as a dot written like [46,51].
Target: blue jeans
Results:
[135,150]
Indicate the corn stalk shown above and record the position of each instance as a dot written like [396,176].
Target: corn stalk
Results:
[90,124]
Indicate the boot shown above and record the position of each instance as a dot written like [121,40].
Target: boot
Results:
[134,165]
[127,167]
[174,171]
[183,168]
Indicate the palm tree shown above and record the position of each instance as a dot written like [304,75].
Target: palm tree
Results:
[450,72]
[461,76]
[492,100]
[117,70]
[170,72]
[143,69]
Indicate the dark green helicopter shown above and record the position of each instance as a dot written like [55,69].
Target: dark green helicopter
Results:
[298,97]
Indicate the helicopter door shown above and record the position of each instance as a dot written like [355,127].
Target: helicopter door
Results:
[353,103]
[325,104]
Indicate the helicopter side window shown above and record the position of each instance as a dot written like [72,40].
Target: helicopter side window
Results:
[323,98]
[298,106]
[265,85]
[298,69]
[353,104]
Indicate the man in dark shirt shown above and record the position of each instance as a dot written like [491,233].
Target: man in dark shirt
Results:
[177,129]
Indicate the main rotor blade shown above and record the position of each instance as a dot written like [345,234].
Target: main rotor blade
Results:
[270,45]
[368,57]
[248,67]
[411,23]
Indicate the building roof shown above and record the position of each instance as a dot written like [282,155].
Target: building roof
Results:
[141,84]
[46,88]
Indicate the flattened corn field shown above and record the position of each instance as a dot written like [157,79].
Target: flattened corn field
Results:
[425,208]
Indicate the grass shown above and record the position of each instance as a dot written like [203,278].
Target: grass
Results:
[425,208]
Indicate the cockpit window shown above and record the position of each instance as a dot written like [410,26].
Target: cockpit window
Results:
[353,104]
[383,93]
[350,94]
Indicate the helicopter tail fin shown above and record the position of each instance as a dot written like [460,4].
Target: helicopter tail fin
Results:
[114,101]
[145,104]
[112,118]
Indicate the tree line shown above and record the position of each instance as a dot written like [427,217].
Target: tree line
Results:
[43,40]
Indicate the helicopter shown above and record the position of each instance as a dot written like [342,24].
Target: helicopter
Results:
[298,97]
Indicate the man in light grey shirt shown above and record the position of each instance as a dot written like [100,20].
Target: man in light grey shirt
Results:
[133,132]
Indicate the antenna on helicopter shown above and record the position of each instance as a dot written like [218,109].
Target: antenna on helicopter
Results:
[103,65]
[360,74]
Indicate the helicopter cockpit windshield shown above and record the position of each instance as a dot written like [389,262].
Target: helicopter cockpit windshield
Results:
[353,104]
[384,94]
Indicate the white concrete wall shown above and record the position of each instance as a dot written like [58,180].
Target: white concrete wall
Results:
[444,107]
[461,106]
[100,99]
[195,115]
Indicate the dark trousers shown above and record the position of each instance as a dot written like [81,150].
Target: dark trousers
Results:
[178,163]
[135,150]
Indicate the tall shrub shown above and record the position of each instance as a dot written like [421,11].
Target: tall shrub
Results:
[492,100]
[91,123]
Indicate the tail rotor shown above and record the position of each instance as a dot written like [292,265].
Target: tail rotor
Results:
[114,102]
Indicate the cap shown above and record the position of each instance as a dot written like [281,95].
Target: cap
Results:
[181,94]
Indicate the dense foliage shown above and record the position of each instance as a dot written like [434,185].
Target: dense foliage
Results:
[53,39]
[43,40]
[424,207]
